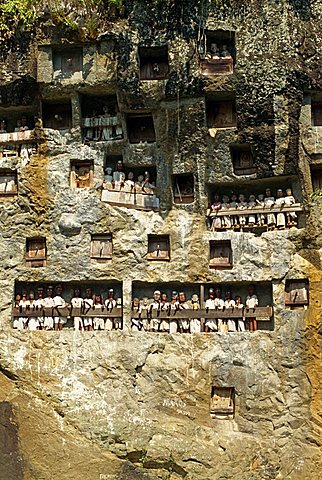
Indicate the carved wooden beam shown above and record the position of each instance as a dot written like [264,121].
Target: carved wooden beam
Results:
[296,207]
[262,313]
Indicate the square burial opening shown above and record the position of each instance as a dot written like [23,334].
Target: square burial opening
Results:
[57,116]
[81,174]
[96,287]
[67,63]
[222,402]
[297,293]
[101,120]
[154,63]
[140,128]
[218,53]
[221,255]
[36,252]
[183,188]
[8,182]
[158,247]
[316,113]
[101,247]
[258,187]
[221,43]
[263,290]
[316,178]
[242,158]
[16,117]
[139,173]
[221,113]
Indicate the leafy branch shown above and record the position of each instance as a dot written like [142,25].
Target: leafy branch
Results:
[18,17]
[316,198]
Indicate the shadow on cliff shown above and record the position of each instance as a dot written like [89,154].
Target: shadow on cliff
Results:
[10,460]
[302,8]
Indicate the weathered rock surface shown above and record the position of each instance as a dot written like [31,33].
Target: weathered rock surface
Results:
[134,406]
[145,399]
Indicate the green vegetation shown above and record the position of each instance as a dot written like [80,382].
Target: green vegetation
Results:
[19,17]
[316,198]
[16,16]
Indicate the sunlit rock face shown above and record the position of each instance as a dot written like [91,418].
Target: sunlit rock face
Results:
[134,405]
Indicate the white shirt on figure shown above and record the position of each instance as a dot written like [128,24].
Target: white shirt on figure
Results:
[59,301]
[210,303]
[251,301]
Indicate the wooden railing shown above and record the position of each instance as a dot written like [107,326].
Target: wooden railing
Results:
[212,215]
[130,197]
[260,313]
[217,66]
[17,137]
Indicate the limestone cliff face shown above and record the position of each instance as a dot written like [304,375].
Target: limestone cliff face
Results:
[144,399]
[132,405]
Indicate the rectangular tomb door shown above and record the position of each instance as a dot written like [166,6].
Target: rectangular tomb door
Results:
[102,247]
[296,293]
[158,247]
[222,404]
[36,252]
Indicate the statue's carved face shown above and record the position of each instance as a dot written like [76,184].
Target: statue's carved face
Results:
[58,290]
[214,48]
[156,296]
[182,297]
